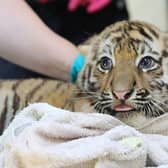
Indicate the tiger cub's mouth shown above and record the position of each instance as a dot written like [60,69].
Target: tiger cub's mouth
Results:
[123,108]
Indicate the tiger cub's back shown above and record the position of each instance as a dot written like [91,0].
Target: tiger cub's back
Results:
[16,94]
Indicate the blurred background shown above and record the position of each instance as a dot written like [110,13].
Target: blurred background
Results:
[155,12]
[78,25]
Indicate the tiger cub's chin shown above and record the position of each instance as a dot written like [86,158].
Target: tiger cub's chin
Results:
[134,118]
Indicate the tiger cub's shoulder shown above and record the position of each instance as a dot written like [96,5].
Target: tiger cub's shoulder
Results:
[16,94]
[19,93]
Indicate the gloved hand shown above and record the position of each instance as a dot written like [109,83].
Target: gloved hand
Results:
[92,6]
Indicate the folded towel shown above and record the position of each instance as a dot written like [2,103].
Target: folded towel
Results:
[45,136]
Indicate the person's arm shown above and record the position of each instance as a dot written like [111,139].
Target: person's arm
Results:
[25,40]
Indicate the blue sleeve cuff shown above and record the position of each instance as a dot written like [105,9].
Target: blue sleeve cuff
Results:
[77,66]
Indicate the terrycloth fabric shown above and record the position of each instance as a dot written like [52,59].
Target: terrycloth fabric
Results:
[45,136]
[156,137]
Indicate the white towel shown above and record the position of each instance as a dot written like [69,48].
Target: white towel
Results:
[45,136]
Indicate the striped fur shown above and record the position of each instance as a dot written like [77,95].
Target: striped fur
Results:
[16,94]
[125,44]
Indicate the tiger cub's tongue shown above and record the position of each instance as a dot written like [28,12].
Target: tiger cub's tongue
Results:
[123,107]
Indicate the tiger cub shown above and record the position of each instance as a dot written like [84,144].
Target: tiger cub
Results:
[125,75]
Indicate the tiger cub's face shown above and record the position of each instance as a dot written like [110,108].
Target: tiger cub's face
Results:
[127,70]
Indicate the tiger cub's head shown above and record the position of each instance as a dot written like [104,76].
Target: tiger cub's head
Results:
[126,71]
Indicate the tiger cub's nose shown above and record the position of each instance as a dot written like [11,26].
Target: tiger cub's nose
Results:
[122,95]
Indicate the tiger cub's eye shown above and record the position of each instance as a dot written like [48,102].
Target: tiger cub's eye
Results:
[106,63]
[147,63]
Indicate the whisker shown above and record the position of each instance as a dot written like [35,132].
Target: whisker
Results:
[105,102]
[96,105]
[106,99]
[105,106]
[150,109]
[156,105]
[161,103]
[158,110]
[98,108]
[140,100]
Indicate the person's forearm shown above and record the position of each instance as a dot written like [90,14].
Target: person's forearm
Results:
[26,41]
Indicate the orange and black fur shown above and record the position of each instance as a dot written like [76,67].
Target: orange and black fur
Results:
[125,74]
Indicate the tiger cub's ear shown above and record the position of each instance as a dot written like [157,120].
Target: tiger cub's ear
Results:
[165,57]
[86,46]
[84,49]
[165,40]
[165,45]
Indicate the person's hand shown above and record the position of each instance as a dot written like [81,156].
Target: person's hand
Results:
[92,6]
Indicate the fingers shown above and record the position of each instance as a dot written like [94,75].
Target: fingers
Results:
[74,4]
[97,5]
[92,5]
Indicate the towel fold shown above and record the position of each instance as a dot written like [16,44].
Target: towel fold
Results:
[44,136]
